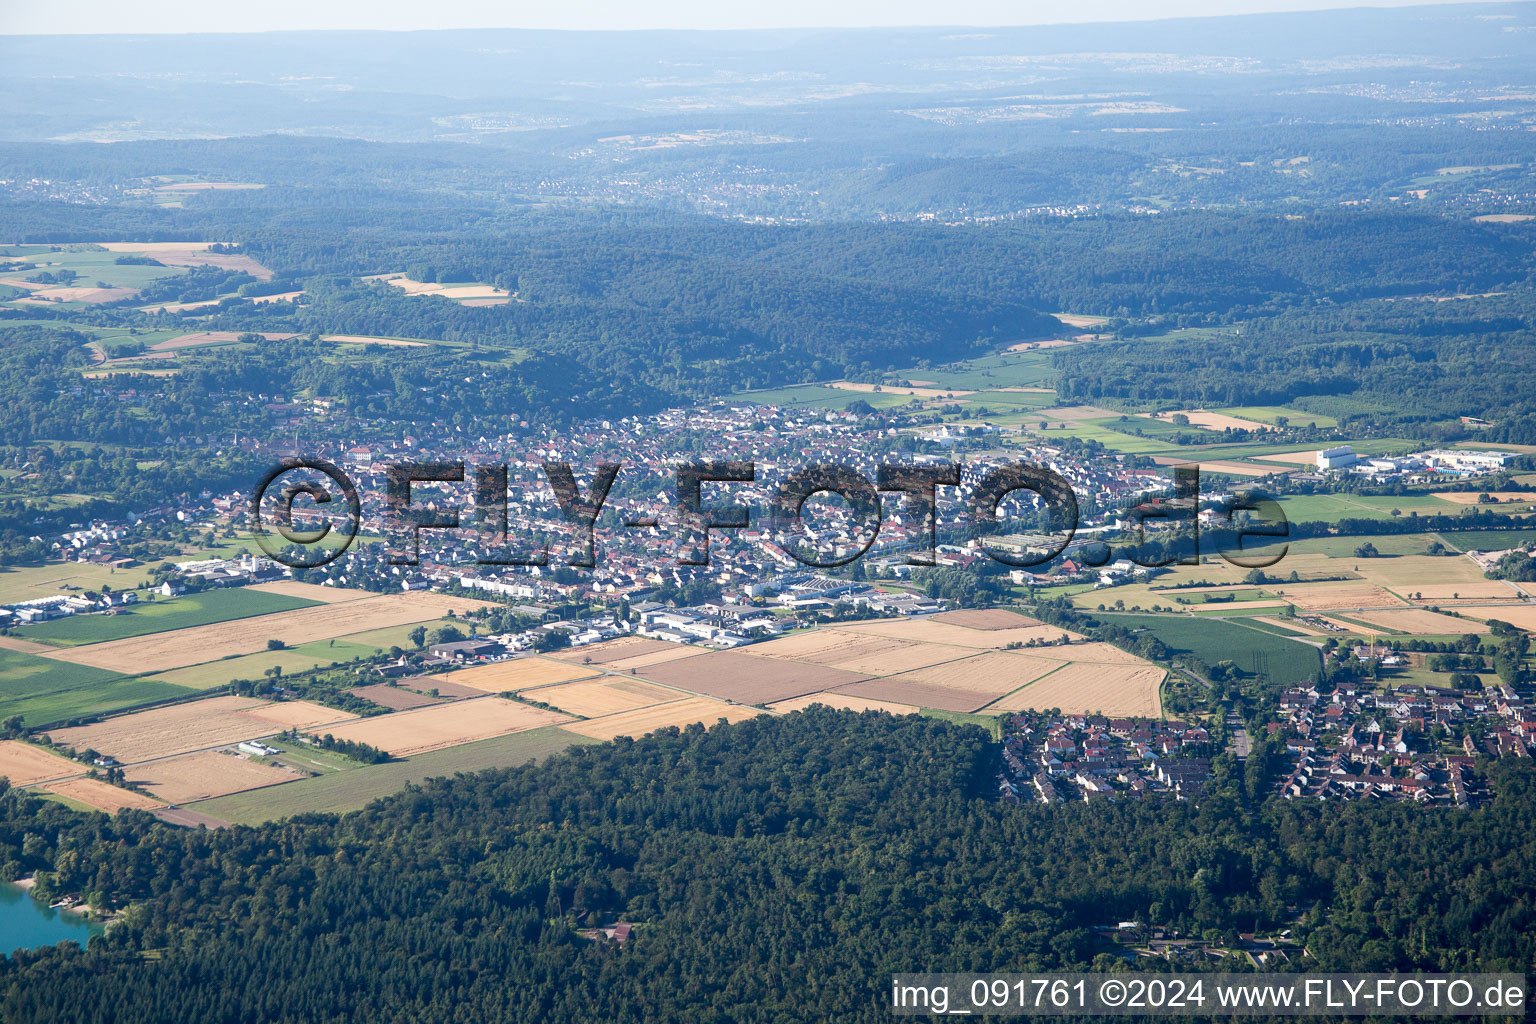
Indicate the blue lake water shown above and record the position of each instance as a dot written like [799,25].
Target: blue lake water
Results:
[27,924]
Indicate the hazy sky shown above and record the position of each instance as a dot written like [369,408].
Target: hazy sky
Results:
[104,16]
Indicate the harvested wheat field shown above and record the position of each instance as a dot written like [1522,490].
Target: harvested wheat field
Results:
[1522,616]
[161,652]
[992,674]
[901,690]
[26,765]
[160,732]
[415,732]
[1209,420]
[516,674]
[102,795]
[1315,596]
[607,696]
[1413,572]
[677,653]
[986,618]
[748,679]
[207,773]
[1093,653]
[1291,458]
[866,655]
[680,713]
[1421,622]
[396,698]
[313,591]
[614,650]
[1470,497]
[1435,593]
[929,631]
[843,702]
[1121,690]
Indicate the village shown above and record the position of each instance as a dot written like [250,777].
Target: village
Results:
[1048,758]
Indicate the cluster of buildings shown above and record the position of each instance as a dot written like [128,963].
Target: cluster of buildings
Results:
[1398,744]
[1418,467]
[1051,758]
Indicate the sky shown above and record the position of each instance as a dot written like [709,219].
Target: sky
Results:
[170,16]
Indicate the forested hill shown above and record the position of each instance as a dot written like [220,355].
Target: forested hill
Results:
[775,870]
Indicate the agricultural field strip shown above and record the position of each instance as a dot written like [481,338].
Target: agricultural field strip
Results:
[194,645]
[277,728]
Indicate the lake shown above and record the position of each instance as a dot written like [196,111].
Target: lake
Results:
[27,924]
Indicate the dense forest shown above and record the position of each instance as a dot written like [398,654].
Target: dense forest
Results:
[630,312]
[778,869]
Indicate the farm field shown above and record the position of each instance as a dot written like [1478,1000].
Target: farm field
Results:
[216,721]
[517,674]
[842,701]
[311,591]
[396,698]
[1123,690]
[149,617]
[1330,508]
[405,733]
[986,618]
[94,699]
[1420,622]
[23,674]
[934,632]
[747,678]
[606,696]
[676,713]
[677,653]
[1213,640]
[1271,414]
[1209,420]
[353,789]
[102,795]
[320,654]
[614,650]
[965,685]
[852,652]
[1522,616]
[207,773]
[161,652]
[385,637]
[1432,578]
[26,765]
[1345,594]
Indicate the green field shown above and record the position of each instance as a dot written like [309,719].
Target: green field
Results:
[1215,639]
[81,702]
[992,724]
[350,790]
[1110,437]
[1004,370]
[1330,508]
[93,266]
[162,616]
[26,675]
[1273,413]
[44,691]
